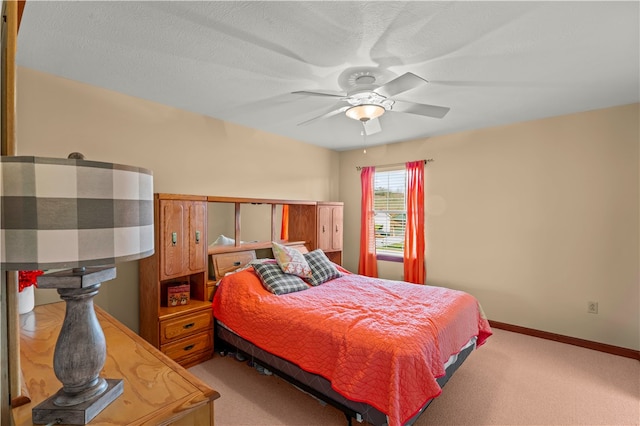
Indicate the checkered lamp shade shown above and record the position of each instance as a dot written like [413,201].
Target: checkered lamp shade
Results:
[68,213]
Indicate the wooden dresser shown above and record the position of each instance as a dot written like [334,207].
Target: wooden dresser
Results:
[157,391]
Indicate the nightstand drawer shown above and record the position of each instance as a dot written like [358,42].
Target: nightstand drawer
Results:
[185,325]
[188,346]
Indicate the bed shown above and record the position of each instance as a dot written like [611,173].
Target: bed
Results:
[379,350]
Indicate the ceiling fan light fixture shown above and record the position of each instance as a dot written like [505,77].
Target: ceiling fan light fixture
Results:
[365,112]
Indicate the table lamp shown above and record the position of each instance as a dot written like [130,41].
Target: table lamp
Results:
[83,215]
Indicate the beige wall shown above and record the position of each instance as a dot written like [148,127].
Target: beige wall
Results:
[535,219]
[188,153]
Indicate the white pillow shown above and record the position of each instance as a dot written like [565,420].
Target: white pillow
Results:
[291,261]
[223,241]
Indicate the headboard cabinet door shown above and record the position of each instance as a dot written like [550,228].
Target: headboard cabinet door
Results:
[172,217]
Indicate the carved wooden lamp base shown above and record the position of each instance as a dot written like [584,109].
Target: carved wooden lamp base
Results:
[80,414]
[80,351]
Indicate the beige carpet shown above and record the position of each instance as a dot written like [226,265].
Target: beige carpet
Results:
[512,380]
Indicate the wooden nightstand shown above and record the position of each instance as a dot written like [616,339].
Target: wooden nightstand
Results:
[182,332]
[156,389]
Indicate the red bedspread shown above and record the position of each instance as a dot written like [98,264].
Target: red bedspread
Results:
[380,342]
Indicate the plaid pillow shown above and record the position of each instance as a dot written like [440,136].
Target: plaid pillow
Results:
[321,267]
[276,281]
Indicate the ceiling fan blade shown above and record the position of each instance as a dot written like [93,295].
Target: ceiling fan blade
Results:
[420,109]
[372,127]
[326,115]
[406,81]
[310,93]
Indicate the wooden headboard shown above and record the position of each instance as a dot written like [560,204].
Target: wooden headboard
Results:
[222,263]
[227,262]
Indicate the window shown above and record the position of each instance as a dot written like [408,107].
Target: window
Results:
[390,209]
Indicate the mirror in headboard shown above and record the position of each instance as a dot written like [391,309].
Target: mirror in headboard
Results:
[255,222]
[220,221]
[258,222]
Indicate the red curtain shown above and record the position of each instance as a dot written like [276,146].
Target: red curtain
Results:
[414,239]
[284,228]
[368,264]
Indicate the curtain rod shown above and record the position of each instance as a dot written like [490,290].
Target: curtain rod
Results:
[358,168]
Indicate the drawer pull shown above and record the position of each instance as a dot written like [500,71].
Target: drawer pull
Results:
[237,263]
[174,238]
[188,348]
[188,326]
[197,237]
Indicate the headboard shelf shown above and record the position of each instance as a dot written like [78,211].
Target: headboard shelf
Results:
[242,200]
[250,246]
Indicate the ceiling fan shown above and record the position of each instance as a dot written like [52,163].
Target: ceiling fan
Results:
[366,101]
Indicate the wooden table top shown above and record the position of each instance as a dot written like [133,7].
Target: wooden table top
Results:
[156,389]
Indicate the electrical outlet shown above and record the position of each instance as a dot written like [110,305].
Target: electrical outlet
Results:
[592,307]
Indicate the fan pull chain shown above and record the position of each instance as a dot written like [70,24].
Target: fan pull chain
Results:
[364,138]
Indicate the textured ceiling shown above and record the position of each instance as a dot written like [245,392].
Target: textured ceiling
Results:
[492,63]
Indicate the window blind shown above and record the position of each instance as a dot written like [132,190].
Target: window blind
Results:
[390,211]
